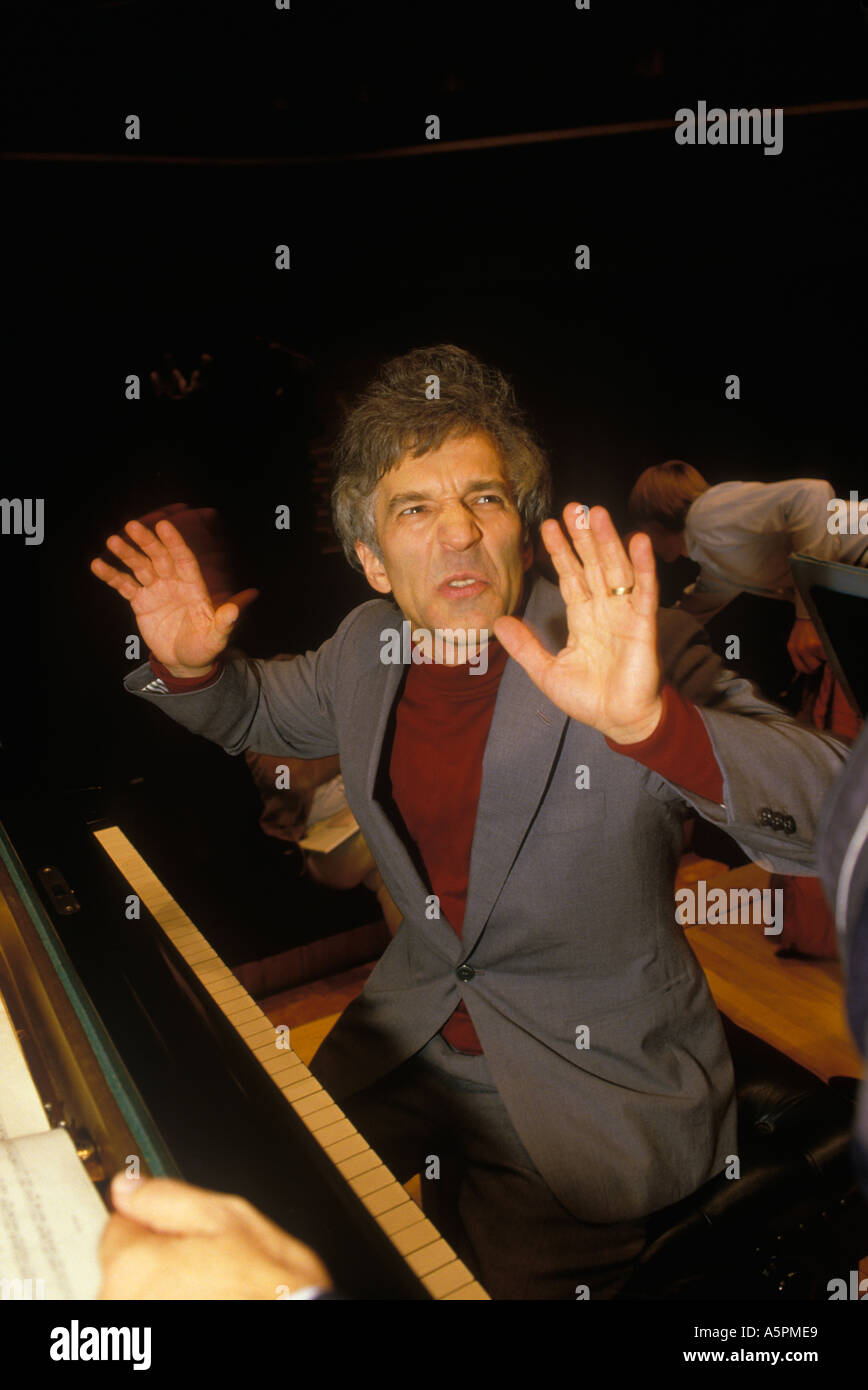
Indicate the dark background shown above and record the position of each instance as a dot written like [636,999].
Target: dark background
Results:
[262,127]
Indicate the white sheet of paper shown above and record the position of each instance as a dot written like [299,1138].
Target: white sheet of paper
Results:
[51,1220]
[21,1110]
[327,834]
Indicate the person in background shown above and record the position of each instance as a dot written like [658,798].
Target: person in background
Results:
[316,792]
[742,535]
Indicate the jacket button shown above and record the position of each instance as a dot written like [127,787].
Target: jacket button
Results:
[790,825]
[765,816]
[465,973]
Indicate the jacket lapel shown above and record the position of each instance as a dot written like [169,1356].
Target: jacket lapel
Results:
[405,882]
[523,743]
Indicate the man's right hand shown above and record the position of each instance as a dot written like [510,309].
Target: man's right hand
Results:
[169,597]
[168,1240]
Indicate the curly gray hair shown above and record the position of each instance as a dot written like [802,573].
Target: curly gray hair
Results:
[393,417]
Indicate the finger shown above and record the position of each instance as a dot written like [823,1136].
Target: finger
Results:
[196,525]
[519,642]
[138,1262]
[161,513]
[225,617]
[205,535]
[133,559]
[572,582]
[169,1206]
[603,558]
[584,541]
[119,1233]
[645,589]
[616,567]
[160,557]
[243,599]
[124,583]
[185,562]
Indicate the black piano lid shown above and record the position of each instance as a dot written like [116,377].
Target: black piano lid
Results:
[214,1116]
[126,1094]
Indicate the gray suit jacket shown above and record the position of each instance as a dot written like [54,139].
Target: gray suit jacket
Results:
[570,912]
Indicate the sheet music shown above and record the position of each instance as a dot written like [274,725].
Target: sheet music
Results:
[21,1110]
[51,1216]
[327,834]
[51,1220]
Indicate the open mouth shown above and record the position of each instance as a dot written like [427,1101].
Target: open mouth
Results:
[462,586]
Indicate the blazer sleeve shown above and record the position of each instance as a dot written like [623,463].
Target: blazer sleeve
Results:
[277,707]
[776,773]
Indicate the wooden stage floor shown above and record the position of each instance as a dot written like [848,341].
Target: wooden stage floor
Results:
[795,1005]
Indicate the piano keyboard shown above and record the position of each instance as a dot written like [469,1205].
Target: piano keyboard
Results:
[416,1239]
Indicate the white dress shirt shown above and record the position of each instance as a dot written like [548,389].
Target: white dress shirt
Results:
[743,534]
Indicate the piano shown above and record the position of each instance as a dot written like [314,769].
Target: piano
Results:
[143,1043]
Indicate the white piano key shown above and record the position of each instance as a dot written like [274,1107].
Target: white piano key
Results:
[318,1120]
[344,1148]
[443,1282]
[358,1164]
[400,1217]
[417,1235]
[310,1105]
[430,1257]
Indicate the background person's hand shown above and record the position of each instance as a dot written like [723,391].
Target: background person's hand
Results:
[183,626]
[168,1240]
[804,646]
[608,674]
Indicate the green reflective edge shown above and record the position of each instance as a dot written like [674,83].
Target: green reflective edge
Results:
[136,1114]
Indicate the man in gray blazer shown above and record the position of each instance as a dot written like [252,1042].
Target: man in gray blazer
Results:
[552,1031]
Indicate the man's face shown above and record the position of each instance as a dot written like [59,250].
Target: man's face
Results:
[451,538]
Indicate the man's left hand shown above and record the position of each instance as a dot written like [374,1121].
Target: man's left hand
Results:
[608,674]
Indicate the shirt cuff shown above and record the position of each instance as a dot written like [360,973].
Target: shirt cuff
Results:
[176,684]
[679,749]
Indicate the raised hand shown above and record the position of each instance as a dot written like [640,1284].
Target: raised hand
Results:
[608,674]
[173,608]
